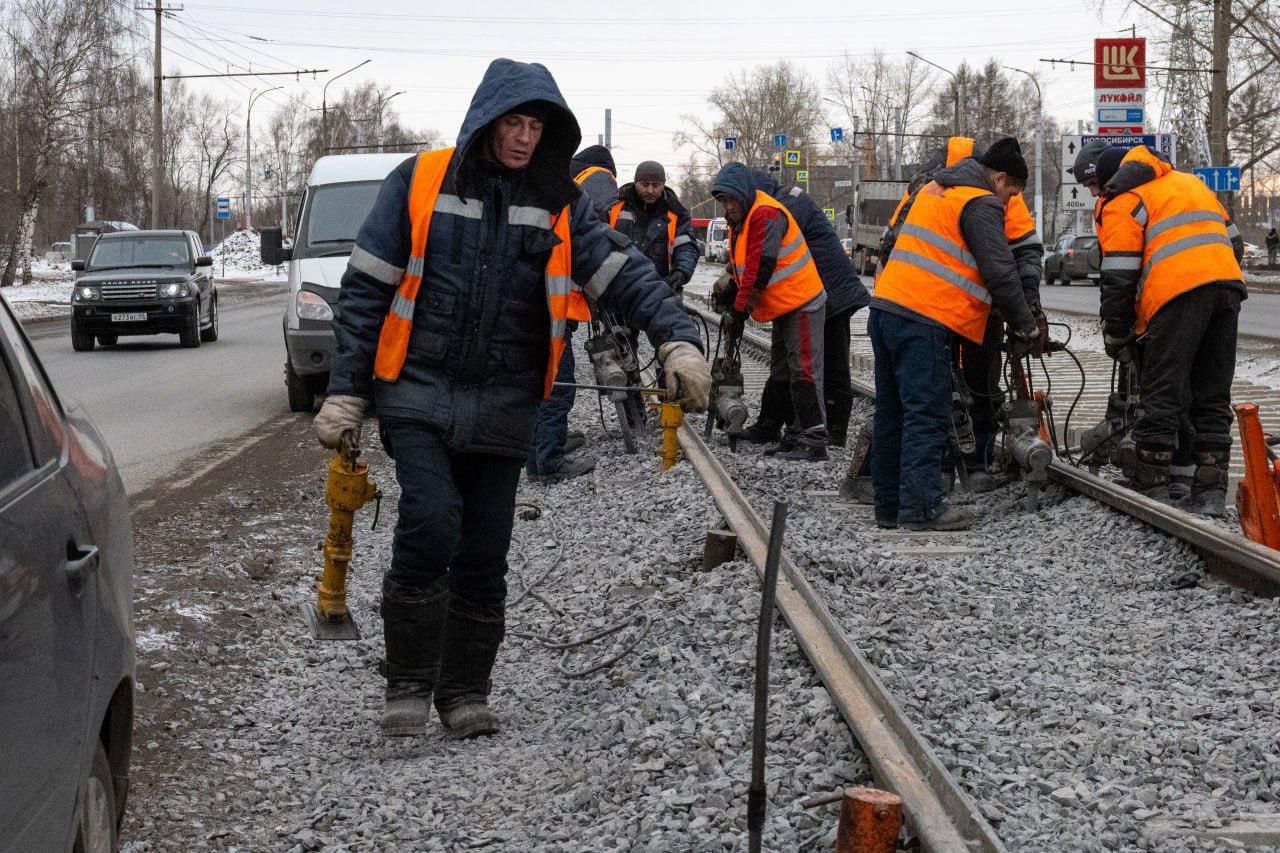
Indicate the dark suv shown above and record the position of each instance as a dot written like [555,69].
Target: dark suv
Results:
[1074,258]
[66,617]
[144,283]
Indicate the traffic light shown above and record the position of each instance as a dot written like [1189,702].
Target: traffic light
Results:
[776,164]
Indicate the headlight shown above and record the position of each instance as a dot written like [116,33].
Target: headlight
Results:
[87,293]
[173,289]
[311,306]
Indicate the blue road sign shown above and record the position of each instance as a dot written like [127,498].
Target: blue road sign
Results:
[779,140]
[1159,142]
[730,142]
[837,134]
[222,208]
[1220,179]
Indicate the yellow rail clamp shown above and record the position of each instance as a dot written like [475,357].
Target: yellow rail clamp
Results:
[348,489]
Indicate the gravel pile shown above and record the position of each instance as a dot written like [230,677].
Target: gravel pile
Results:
[1074,690]
[279,746]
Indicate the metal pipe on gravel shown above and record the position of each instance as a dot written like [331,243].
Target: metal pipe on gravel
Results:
[756,800]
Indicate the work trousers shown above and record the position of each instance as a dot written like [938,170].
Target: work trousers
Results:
[551,429]
[1188,361]
[837,383]
[795,357]
[979,368]
[455,515]
[912,417]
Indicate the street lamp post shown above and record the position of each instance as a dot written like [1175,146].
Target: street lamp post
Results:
[324,107]
[248,157]
[1039,147]
[959,88]
[381,103]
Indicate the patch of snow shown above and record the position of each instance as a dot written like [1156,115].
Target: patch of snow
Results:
[153,639]
[239,257]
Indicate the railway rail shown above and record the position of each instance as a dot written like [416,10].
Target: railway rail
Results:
[940,813]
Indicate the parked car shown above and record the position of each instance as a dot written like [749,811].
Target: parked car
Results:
[144,283]
[1074,258]
[66,618]
[340,193]
[58,252]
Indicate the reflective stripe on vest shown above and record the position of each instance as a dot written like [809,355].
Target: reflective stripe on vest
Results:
[588,172]
[565,300]
[795,279]
[616,213]
[931,270]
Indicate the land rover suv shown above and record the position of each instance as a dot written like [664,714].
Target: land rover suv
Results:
[144,283]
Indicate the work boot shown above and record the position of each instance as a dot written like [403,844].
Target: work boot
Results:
[1209,486]
[572,466]
[858,490]
[472,635]
[837,438]
[952,518]
[761,432]
[1181,478]
[1151,472]
[412,620]
[804,453]
[575,440]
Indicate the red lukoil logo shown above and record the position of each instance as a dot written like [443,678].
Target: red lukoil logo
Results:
[1119,63]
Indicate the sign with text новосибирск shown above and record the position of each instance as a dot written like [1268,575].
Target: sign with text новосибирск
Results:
[1120,85]
[1162,143]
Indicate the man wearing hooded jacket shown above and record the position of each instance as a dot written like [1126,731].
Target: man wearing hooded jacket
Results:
[451,317]
[846,295]
[1171,279]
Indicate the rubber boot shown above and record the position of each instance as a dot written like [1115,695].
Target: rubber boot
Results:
[1209,486]
[472,635]
[951,518]
[1181,480]
[572,466]
[412,621]
[1151,473]
[762,432]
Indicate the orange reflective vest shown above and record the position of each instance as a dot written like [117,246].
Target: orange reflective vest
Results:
[931,270]
[1171,231]
[795,280]
[616,211]
[565,299]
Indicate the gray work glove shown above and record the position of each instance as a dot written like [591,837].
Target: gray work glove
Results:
[1121,349]
[688,374]
[338,414]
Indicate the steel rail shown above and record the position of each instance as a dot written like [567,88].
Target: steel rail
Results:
[1227,555]
[940,813]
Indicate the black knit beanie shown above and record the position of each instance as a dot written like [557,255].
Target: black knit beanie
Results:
[1109,163]
[1005,155]
[650,170]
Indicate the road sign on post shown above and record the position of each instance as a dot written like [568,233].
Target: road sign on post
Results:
[830,213]
[793,157]
[802,176]
[1120,85]
[837,134]
[1220,179]
[1164,144]
[779,140]
[730,143]
[222,208]
[1076,197]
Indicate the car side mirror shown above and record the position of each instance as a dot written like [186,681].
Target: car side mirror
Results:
[77,266]
[272,247]
[204,261]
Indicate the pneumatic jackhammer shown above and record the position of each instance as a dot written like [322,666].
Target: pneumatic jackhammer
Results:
[727,410]
[614,362]
[1110,440]
[1025,437]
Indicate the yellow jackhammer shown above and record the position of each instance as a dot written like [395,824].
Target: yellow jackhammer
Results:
[348,489]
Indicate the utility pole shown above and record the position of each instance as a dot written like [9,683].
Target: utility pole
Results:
[248,157]
[157,112]
[324,106]
[1218,103]
[959,89]
[608,128]
[1039,147]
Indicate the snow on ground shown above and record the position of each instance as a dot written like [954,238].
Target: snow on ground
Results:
[40,298]
[238,257]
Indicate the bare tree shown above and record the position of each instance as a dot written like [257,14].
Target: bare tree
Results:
[879,97]
[215,132]
[55,47]
[753,106]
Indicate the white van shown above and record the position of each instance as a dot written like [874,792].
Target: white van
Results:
[718,240]
[340,192]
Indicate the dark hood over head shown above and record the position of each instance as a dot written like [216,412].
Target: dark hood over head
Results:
[507,84]
[592,155]
[735,179]
[765,182]
[966,173]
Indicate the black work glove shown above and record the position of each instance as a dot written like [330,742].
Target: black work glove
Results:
[724,292]
[1119,348]
[1023,341]
[676,281]
[1042,334]
[732,323]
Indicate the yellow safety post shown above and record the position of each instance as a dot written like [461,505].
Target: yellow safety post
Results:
[348,489]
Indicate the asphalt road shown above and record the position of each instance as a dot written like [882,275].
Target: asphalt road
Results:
[1259,314]
[158,405]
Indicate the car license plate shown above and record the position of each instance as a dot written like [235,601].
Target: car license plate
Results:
[131,317]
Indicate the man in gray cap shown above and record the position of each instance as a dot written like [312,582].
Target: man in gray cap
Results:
[1085,168]
[650,213]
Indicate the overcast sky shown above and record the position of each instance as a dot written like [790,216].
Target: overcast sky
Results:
[649,61]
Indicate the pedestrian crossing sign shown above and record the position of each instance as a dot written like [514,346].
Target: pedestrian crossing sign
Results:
[802,176]
[830,213]
[793,158]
